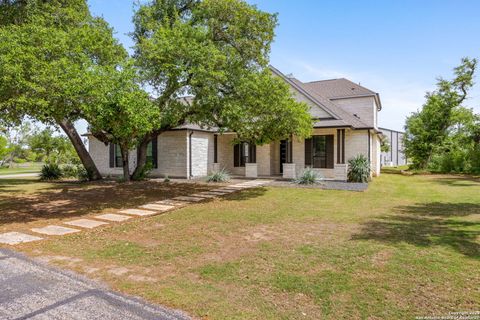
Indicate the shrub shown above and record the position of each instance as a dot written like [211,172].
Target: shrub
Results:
[83,174]
[308,176]
[51,171]
[219,176]
[359,169]
[142,175]
[69,171]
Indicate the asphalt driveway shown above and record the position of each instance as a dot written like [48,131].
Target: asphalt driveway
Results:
[30,290]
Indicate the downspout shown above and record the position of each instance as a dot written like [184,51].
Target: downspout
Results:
[190,174]
[369,147]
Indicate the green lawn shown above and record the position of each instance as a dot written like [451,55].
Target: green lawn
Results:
[26,168]
[408,246]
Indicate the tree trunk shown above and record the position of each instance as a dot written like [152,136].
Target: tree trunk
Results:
[125,163]
[141,157]
[82,152]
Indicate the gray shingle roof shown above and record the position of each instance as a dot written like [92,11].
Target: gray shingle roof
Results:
[338,88]
[341,117]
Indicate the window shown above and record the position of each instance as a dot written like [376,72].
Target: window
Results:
[118,157]
[244,153]
[319,152]
[116,154]
[152,153]
[149,153]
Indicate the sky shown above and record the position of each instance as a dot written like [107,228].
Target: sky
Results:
[395,48]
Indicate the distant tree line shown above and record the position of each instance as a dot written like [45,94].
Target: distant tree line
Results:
[29,143]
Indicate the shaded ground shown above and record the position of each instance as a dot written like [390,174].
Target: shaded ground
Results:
[25,203]
[408,246]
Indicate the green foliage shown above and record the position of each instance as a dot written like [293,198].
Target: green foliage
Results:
[69,171]
[49,147]
[359,169]
[50,53]
[215,51]
[51,171]
[221,175]
[308,176]
[83,174]
[4,148]
[430,130]
[145,172]
[384,144]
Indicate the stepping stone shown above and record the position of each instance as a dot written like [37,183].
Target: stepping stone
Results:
[113,217]
[225,190]
[85,223]
[157,207]
[138,212]
[54,230]
[171,202]
[12,238]
[189,198]
[204,195]
[212,193]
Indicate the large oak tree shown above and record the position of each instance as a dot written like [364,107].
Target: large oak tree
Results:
[49,51]
[217,52]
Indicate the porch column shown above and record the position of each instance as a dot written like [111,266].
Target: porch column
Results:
[251,168]
[289,168]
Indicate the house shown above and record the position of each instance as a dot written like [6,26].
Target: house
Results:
[396,156]
[345,124]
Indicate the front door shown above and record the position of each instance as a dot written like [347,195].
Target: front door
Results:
[283,153]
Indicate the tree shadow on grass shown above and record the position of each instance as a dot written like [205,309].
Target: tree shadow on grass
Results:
[246,194]
[70,199]
[67,199]
[441,209]
[458,181]
[427,225]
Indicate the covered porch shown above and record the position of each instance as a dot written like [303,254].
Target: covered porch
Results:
[325,152]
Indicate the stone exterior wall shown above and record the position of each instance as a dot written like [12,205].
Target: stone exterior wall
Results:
[364,107]
[225,154]
[315,111]
[202,153]
[172,156]
[100,154]
[299,153]
[263,160]
[356,142]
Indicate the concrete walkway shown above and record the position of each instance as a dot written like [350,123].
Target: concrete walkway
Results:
[30,290]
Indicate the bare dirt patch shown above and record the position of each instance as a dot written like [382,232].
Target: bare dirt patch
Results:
[25,206]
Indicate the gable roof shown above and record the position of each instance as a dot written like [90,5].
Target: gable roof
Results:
[342,88]
[340,118]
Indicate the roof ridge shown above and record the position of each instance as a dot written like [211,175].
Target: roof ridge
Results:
[325,80]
